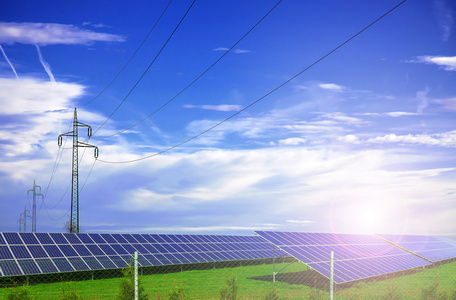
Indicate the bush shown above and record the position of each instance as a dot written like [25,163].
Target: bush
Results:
[68,292]
[18,293]
[230,292]
[272,295]
[127,286]
[176,294]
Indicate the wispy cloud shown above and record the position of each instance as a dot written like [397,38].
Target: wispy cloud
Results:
[446,139]
[331,86]
[444,17]
[292,141]
[448,63]
[223,107]
[51,34]
[45,65]
[9,62]
[394,114]
[237,51]
[422,97]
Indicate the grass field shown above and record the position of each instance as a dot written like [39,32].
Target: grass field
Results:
[255,281]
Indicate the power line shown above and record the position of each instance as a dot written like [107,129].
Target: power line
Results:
[197,78]
[142,43]
[264,96]
[150,65]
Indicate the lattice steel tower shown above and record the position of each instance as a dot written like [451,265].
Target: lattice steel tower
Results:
[74,218]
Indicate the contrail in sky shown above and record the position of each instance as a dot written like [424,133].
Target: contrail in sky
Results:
[11,65]
[45,64]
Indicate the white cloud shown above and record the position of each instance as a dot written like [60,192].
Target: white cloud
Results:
[343,118]
[332,87]
[394,114]
[448,63]
[51,34]
[446,139]
[301,222]
[223,107]
[447,104]
[292,142]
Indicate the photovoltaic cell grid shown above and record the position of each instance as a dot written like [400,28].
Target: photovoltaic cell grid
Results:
[355,256]
[41,253]
[432,248]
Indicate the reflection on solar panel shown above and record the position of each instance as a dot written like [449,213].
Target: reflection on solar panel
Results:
[432,248]
[355,256]
[40,253]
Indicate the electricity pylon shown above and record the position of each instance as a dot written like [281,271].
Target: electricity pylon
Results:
[35,194]
[74,219]
[23,221]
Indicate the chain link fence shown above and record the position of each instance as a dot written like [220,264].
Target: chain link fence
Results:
[272,278]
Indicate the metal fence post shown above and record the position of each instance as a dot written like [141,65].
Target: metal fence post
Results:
[331,278]
[136,275]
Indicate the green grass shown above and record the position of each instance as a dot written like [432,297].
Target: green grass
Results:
[254,283]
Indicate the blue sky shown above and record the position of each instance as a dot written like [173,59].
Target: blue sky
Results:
[362,142]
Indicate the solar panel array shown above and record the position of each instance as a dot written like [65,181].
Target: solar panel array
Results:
[41,253]
[355,256]
[432,248]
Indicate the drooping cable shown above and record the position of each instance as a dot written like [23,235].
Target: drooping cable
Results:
[197,78]
[147,69]
[264,96]
[131,58]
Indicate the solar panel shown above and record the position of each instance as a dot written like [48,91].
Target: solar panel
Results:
[432,248]
[40,253]
[355,256]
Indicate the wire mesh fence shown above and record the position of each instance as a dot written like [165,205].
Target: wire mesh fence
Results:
[271,278]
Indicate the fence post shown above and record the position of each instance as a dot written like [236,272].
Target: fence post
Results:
[331,278]
[136,275]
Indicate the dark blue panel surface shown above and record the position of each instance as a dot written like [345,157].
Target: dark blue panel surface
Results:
[78,264]
[62,264]
[139,238]
[67,250]
[29,266]
[37,251]
[97,238]
[82,250]
[29,238]
[58,238]
[129,238]
[106,262]
[108,238]
[119,238]
[93,263]
[13,238]
[44,238]
[2,240]
[5,253]
[20,252]
[95,250]
[72,238]
[85,238]
[46,265]
[107,249]
[10,268]
[53,251]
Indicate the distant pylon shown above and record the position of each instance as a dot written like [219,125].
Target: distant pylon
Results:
[35,194]
[74,218]
[23,221]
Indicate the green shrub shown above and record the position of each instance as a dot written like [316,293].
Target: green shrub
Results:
[18,293]
[230,292]
[127,286]
[272,295]
[176,294]
[68,292]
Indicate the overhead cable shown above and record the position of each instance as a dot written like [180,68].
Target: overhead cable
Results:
[150,65]
[264,96]
[142,43]
[197,78]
